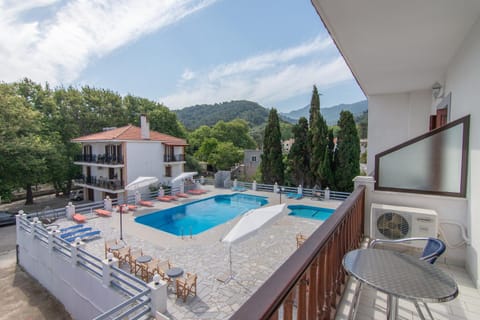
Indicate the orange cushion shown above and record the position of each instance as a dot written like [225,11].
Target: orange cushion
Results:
[79,217]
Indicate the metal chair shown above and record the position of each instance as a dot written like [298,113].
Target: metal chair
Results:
[433,249]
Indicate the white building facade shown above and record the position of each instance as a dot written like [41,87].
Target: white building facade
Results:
[398,51]
[113,158]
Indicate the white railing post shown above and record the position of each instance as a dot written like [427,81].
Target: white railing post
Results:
[74,250]
[327,193]
[254,185]
[275,188]
[369,183]
[51,237]
[158,295]
[107,269]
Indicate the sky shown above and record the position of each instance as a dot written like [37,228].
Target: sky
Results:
[179,53]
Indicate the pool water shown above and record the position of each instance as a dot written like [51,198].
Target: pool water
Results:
[317,213]
[199,216]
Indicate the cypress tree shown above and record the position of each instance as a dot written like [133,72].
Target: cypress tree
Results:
[272,159]
[329,162]
[298,158]
[317,139]
[348,152]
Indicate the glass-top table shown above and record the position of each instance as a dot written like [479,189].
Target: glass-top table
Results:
[400,276]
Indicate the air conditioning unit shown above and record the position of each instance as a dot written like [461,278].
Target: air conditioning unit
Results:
[395,222]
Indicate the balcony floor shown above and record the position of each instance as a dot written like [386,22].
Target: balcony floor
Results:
[373,304]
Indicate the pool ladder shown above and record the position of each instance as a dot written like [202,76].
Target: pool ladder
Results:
[181,231]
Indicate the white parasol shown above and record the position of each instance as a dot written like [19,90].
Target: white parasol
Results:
[250,223]
[141,182]
[183,176]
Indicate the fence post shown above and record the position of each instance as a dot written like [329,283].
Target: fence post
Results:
[106,269]
[254,185]
[327,193]
[74,250]
[369,183]
[158,295]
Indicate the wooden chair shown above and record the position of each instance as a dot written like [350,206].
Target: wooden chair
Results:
[122,255]
[186,286]
[108,244]
[149,269]
[300,239]
[163,266]
[132,260]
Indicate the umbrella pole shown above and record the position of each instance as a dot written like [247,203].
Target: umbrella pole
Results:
[230,258]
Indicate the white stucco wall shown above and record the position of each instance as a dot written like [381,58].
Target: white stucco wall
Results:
[144,158]
[463,81]
[395,118]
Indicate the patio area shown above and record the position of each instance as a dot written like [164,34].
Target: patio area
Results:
[253,260]
[373,304]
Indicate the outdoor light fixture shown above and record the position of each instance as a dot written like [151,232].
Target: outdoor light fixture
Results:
[436,90]
[156,279]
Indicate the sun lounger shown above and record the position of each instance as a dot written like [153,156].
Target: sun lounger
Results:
[77,217]
[145,203]
[102,212]
[71,228]
[239,189]
[181,195]
[197,191]
[295,196]
[85,236]
[75,232]
[164,198]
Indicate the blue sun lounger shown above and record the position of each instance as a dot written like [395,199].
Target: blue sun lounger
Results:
[295,196]
[84,236]
[74,232]
[71,228]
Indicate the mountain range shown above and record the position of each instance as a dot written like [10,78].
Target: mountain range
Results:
[209,114]
[331,114]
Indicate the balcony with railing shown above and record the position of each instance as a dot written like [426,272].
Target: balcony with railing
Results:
[104,159]
[174,158]
[310,283]
[100,183]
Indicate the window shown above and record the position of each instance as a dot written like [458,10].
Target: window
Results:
[168,171]
[254,158]
[434,163]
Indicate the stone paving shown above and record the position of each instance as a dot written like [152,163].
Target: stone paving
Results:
[253,260]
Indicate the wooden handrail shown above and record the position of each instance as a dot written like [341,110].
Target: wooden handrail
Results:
[314,269]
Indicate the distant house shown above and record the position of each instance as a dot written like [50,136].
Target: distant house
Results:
[115,157]
[287,145]
[251,161]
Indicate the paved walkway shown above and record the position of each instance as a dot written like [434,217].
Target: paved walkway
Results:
[253,260]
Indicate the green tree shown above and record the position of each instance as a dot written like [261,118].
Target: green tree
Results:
[208,147]
[329,162]
[196,138]
[272,168]
[235,131]
[318,132]
[23,146]
[348,152]
[163,120]
[298,157]
[225,156]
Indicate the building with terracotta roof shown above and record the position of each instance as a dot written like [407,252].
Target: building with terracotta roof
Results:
[115,157]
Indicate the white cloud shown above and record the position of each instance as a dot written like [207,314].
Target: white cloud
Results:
[267,78]
[58,48]
[188,75]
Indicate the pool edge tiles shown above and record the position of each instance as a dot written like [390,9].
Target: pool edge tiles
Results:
[196,217]
[310,212]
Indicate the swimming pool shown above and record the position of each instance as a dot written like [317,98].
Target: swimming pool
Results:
[317,213]
[199,216]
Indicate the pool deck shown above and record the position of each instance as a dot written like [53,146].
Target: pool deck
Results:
[253,260]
